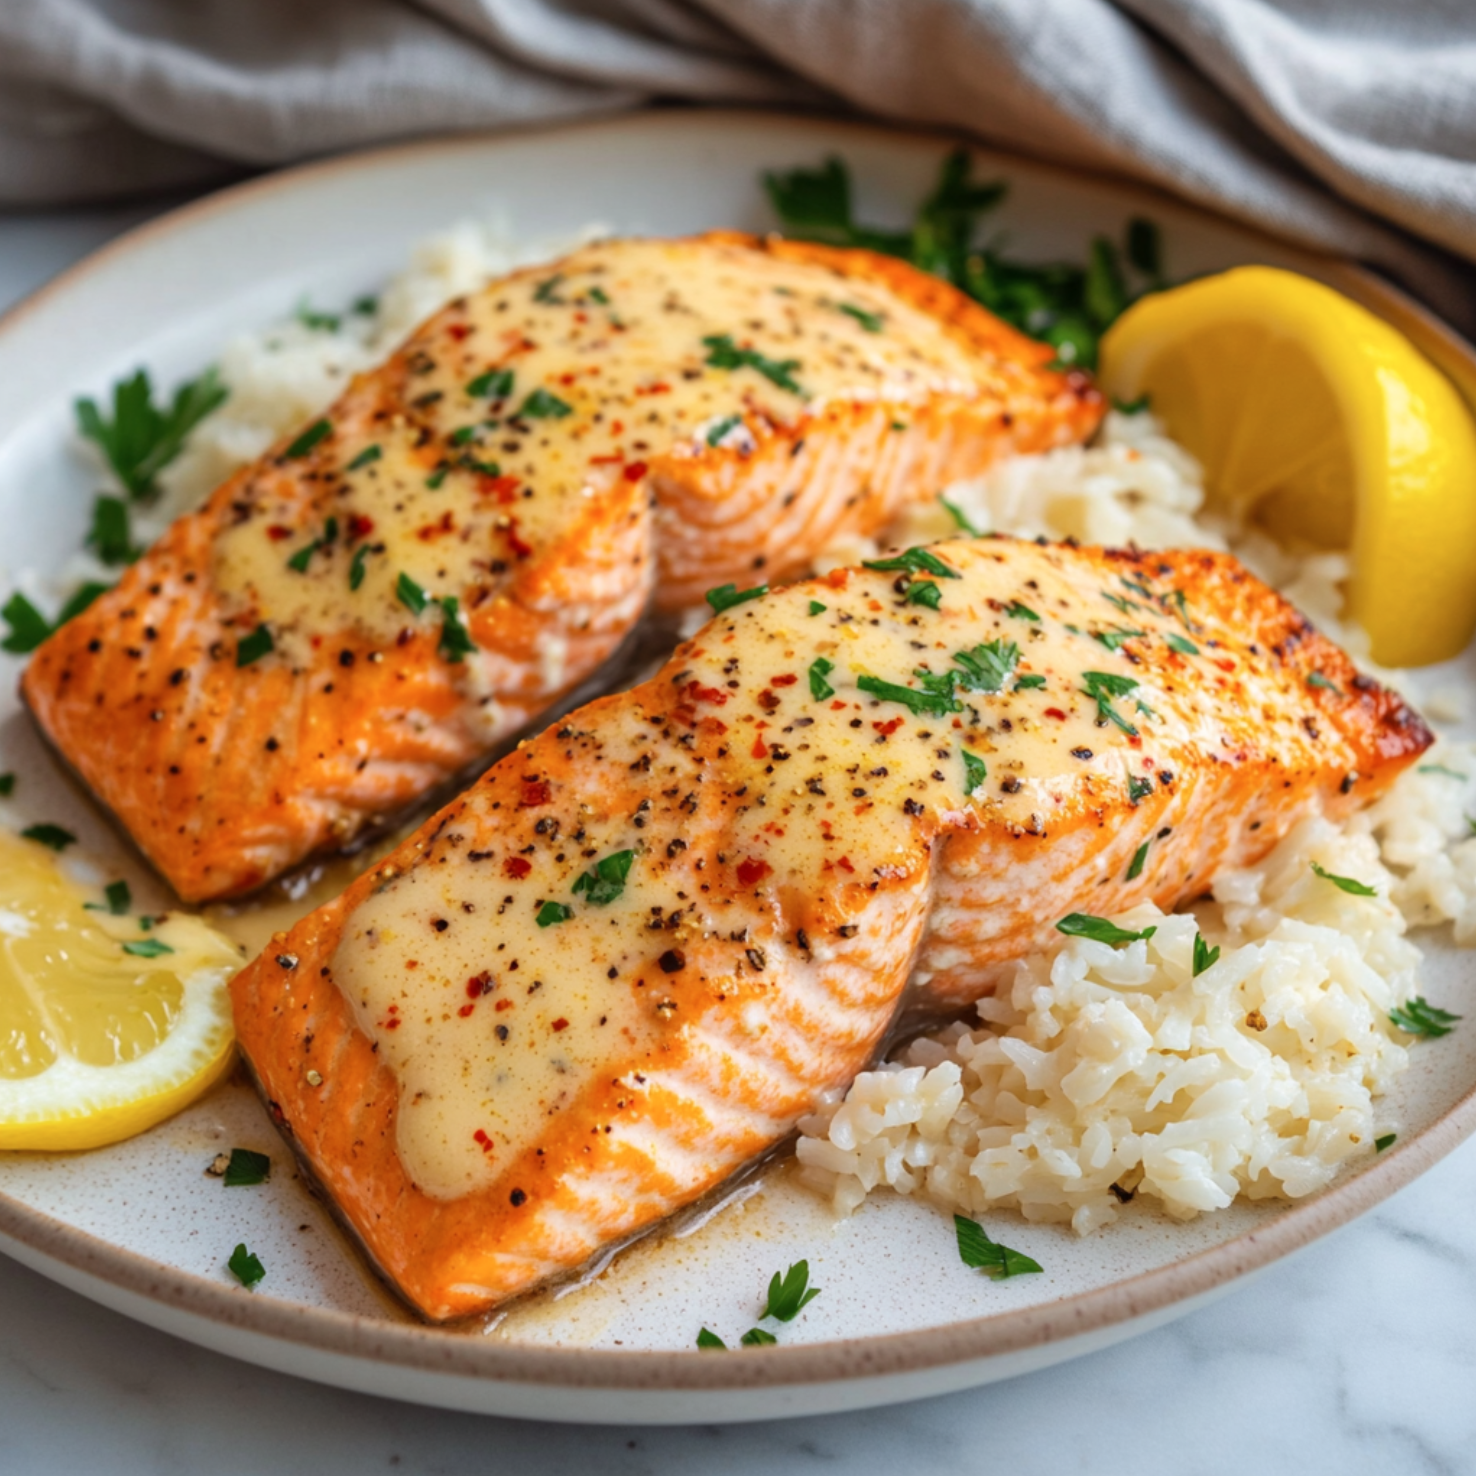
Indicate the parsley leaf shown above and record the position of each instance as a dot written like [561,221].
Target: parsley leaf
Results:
[7,785]
[1316,679]
[871,322]
[1387,1140]
[996,1261]
[1346,883]
[791,1293]
[725,596]
[913,561]
[756,1337]
[356,566]
[245,1267]
[934,704]
[318,431]
[1441,769]
[49,835]
[706,1339]
[28,626]
[959,516]
[718,431]
[723,353]
[820,689]
[1180,644]
[553,912]
[816,608]
[1135,866]
[142,439]
[607,881]
[120,898]
[365,457]
[546,291]
[1418,1017]
[456,642]
[542,405]
[1029,682]
[924,592]
[1204,955]
[988,666]
[110,536]
[147,948]
[245,1168]
[975,771]
[1130,407]
[1138,789]
[319,322]
[1021,612]
[1099,929]
[254,647]
[1114,638]
[410,594]
[1102,687]
[495,384]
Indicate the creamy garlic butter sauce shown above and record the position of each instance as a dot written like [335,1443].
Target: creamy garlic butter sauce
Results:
[545,388]
[770,792]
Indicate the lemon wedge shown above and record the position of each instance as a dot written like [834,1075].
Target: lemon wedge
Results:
[1326,427]
[106,1027]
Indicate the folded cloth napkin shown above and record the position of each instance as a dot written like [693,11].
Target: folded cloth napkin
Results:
[1347,125]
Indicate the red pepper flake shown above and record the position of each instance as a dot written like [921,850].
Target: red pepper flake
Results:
[392,1024]
[522,549]
[480,1138]
[478,985]
[635,471]
[838,705]
[752,871]
[606,460]
[787,680]
[517,867]
[560,1024]
[1056,713]
[504,489]
[838,578]
[760,748]
[1224,665]
[617,427]
[359,526]
[659,388]
[536,792]
[888,728]
[443,525]
[412,963]
[698,693]
[845,865]
[458,331]
[465,1010]
[501,1005]
[277,533]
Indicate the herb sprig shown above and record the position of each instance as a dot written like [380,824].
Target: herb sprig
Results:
[1419,1017]
[996,1261]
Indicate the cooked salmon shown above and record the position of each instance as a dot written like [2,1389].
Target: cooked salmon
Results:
[469,532]
[620,968]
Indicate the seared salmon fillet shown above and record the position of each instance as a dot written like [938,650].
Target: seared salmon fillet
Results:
[474,527]
[621,967]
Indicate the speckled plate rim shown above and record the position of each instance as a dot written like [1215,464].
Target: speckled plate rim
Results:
[187,1304]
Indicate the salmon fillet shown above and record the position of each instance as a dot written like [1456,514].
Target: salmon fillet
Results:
[623,965]
[474,527]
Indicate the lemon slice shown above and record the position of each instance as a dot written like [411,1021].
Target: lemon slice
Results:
[1327,428]
[97,1042]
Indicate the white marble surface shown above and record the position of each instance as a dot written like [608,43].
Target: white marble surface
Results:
[1357,1356]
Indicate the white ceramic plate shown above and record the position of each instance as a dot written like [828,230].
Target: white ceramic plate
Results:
[140,1228]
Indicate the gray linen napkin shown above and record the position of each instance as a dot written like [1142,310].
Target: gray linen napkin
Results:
[1343,124]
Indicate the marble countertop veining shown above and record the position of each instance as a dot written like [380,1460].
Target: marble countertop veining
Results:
[1356,1356]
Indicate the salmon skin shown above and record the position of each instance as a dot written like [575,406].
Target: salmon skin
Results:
[476,525]
[627,961]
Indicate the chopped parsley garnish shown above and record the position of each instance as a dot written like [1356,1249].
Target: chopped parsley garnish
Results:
[120,898]
[367,305]
[1316,679]
[438,476]
[1385,1140]
[1441,769]
[142,439]
[543,405]
[462,434]
[245,1267]
[988,666]
[1130,407]
[545,291]
[725,596]
[1102,687]
[976,771]
[1113,639]
[996,1261]
[49,835]
[955,512]
[495,384]
[318,322]
[553,912]
[1021,612]
[1138,789]
[356,566]
[410,594]
[607,881]
[913,561]
[924,592]
[1067,306]
[1180,644]
[303,557]
[365,457]
[1029,682]
[933,704]
[816,608]
[110,536]
[723,353]
[597,294]
[1135,866]
[28,626]
[791,1293]
[456,643]
[1204,955]
[246,1167]
[147,948]
[1099,929]
[871,322]
[820,689]
[7,785]
[318,431]
[1119,603]
[717,432]
[756,1337]
[1346,883]
[254,647]
[1418,1017]
[706,1339]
